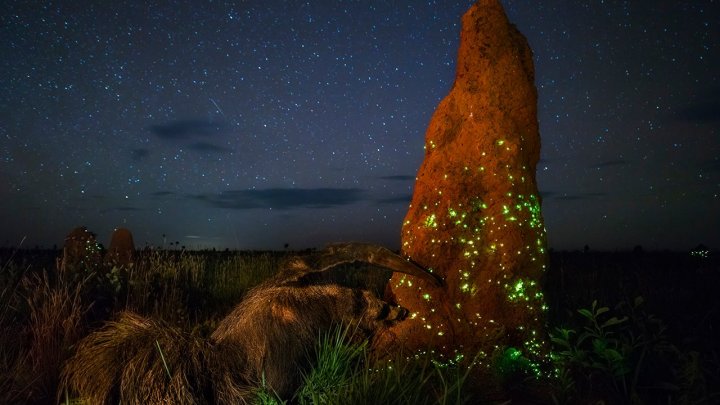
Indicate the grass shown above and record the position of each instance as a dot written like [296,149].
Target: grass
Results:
[346,372]
[621,353]
[39,329]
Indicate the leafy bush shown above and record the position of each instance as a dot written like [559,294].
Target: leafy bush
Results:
[622,355]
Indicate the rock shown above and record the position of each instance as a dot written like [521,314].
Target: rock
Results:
[122,248]
[475,214]
[80,251]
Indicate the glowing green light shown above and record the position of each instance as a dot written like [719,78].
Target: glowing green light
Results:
[500,142]
[700,252]
[430,221]
[518,291]
[426,297]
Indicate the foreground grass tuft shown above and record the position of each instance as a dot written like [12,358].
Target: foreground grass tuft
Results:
[346,372]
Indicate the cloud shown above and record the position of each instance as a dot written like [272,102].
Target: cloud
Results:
[186,129]
[610,163]
[401,199]
[121,209]
[399,177]
[284,198]
[704,109]
[208,148]
[577,197]
[163,193]
[554,195]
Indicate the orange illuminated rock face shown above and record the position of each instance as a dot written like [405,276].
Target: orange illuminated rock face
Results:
[475,215]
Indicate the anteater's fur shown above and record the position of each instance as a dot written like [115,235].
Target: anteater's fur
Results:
[267,338]
[135,360]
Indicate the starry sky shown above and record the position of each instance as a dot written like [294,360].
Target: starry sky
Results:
[255,124]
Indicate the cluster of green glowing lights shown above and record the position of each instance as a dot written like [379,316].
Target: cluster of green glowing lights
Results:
[702,253]
[431,221]
[530,204]
[513,360]
[520,291]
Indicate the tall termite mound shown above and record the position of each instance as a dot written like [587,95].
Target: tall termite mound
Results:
[475,215]
[122,248]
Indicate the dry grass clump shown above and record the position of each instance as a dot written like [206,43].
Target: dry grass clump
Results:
[56,323]
[40,321]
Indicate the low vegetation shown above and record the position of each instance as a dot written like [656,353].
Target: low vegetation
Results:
[625,328]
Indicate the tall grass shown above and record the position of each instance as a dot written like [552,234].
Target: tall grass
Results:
[336,362]
[347,372]
[35,346]
[56,324]
[13,355]
[191,288]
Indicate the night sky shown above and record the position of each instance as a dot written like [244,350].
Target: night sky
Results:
[255,124]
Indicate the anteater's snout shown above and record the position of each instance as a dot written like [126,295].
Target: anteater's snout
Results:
[397,313]
[391,312]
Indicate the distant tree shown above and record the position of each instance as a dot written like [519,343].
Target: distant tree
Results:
[586,248]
